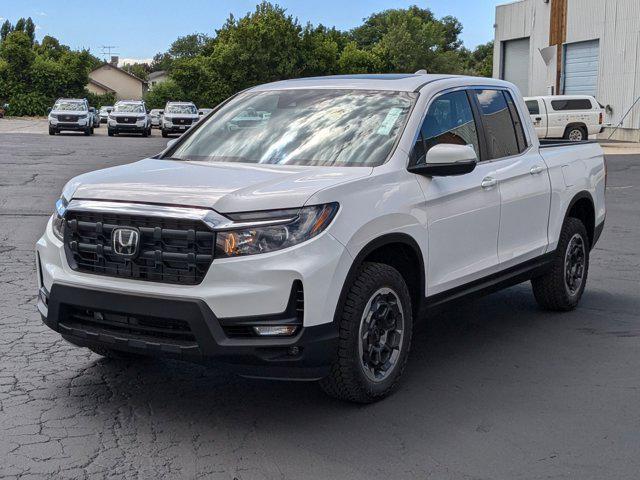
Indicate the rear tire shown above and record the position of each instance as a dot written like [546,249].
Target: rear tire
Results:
[575,134]
[561,288]
[375,326]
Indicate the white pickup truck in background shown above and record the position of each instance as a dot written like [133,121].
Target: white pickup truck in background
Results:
[572,117]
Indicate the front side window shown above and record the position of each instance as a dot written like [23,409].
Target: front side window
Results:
[129,108]
[323,127]
[498,124]
[449,120]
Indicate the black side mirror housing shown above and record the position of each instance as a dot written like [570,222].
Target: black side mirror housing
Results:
[446,160]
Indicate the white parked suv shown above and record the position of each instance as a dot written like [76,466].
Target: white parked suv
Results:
[306,242]
[572,117]
[129,116]
[177,117]
[71,114]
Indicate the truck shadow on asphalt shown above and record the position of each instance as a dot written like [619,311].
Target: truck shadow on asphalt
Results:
[502,337]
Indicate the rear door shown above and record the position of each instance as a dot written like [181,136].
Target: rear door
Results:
[538,114]
[522,176]
[463,212]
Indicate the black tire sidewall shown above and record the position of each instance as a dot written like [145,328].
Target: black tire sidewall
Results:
[572,228]
[351,318]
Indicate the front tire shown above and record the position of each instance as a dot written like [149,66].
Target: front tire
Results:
[561,288]
[52,131]
[110,132]
[164,134]
[375,327]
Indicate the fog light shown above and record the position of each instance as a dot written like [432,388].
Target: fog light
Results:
[282,330]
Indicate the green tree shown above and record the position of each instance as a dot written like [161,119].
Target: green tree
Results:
[163,93]
[20,25]
[140,70]
[188,46]
[482,60]
[357,60]
[5,29]
[30,29]
[16,51]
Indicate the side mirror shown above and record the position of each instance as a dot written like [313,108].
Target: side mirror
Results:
[171,142]
[92,109]
[445,160]
[161,112]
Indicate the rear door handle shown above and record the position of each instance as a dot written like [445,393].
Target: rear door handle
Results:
[488,183]
[535,170]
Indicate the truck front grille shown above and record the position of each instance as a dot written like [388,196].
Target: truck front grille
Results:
[127,120]
[170,250]
[182,121]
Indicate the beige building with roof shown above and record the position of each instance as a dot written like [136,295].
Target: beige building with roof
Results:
[108,78]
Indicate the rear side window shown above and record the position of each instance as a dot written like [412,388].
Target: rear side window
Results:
[449,120]
[534,107]
[573,104]
[517,122]
[499,126]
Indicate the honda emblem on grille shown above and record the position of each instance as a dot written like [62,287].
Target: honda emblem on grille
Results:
[125,241]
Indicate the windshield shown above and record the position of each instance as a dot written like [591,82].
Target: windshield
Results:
[302,127]
[70,106]
[130,107]
[181,109]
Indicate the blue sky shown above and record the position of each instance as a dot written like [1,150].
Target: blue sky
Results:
[141,28]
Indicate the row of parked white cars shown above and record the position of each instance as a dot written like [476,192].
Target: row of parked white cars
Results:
[126,116]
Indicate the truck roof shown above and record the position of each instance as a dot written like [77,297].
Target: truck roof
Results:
[399,82]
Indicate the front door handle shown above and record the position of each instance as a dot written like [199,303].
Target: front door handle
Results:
[535,170]
[488,183]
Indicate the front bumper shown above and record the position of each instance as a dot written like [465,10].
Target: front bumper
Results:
[128,127]
[257,286]
[68,126]
[305,356]
[174,128]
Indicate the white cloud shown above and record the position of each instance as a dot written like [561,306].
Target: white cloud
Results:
[42,14]
[123,61]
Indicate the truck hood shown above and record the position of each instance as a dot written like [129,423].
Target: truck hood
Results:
[224,187]
[69,112]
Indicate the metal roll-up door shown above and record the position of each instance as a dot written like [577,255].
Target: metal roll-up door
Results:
[581,64]
[515,67]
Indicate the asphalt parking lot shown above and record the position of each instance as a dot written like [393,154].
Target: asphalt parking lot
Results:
[494,389]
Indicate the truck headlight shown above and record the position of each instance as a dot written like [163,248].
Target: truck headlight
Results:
[57,223]
[262,232]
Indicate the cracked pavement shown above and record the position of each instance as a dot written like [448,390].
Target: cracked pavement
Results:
[494,389]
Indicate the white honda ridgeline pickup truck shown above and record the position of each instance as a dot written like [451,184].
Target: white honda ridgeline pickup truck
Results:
[303,227]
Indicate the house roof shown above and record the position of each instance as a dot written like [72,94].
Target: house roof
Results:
[101,85]
[159,73]
[107,64]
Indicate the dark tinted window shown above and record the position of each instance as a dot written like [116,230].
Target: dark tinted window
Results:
[534,107]
[517,123]
[449,120]
[578,104]
[498,124]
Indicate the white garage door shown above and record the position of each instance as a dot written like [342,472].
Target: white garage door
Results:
[515,67]
[581,62]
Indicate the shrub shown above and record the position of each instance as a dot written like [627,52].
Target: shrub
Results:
[29,104]
[164,92]
[97,100]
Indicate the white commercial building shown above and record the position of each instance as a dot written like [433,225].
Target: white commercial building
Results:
[574,47]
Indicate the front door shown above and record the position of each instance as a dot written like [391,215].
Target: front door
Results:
[463,212]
